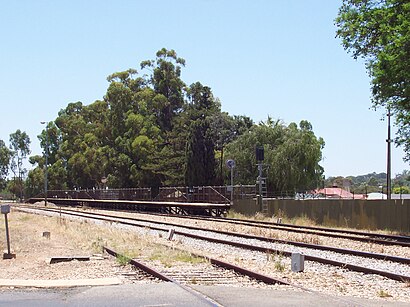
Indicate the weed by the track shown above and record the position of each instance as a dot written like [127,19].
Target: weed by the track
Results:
[123,260]
[383,294]
[279,265]
[277,260]
[169,256]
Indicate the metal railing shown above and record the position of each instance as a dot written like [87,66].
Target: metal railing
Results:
[110,194]
[206,194]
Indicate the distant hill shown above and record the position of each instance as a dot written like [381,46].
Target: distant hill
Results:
[370,182]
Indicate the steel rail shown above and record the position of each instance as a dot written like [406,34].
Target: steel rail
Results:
[225,265]
[321,231]
[351,267]
[398,238]
[327,232]
[371,236]
[163,277]
[390,275]
[264,278]
[266,239]
[338,235]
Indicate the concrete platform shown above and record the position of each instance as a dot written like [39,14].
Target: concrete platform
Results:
[60,283]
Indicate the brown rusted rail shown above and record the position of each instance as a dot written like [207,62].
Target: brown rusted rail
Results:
[141,266]
[338,233]
[105,217]
[222,264]
[271,240]
[163,277]
[321,231]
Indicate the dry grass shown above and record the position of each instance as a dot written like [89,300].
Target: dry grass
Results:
[383,294]
[276,258]
[304,220]
[82,237]
[171,256]
[301,221]
[278,264]
[232,214]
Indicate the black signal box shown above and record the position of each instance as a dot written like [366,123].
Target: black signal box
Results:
[259,153]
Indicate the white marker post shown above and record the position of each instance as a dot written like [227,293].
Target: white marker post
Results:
[5,209]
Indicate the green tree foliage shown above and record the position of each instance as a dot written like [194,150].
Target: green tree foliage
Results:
[34,183]
[379,32]
[200,164]
[152,130]
[401,190]
[292,156]
[166,81]
[225,129]
[80,141]
[20,149]
[5,156]
[402,179]
[136,136]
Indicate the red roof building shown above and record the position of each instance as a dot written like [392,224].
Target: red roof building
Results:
[338,193]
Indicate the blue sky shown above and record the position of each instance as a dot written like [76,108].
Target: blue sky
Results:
[261,58]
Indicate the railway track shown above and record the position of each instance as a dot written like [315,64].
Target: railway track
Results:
[337,233]
[256,245]
[402,260]
[221,273]
[378,238]
[217,273]
[156,274]
[213,272]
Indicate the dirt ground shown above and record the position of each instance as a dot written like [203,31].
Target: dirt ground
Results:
[67,239]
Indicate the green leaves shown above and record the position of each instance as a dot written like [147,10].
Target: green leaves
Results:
[292,156]
[379,32]
[19,150]
[5,155]
[153,130]
[201,163]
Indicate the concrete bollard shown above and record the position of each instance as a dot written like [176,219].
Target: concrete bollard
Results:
[171,234]
[298,262]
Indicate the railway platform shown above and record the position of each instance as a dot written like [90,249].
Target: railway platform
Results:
[183,208]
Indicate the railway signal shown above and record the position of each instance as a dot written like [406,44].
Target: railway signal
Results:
[260,180]
[231,165]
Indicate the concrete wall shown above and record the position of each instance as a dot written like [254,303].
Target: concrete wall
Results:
[361,214]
